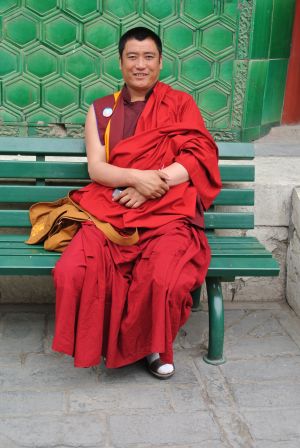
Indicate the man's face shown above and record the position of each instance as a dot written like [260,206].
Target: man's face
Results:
[140,65]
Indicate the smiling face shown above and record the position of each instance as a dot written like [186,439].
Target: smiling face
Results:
[140,64]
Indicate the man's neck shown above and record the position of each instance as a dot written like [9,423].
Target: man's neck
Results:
[139,95]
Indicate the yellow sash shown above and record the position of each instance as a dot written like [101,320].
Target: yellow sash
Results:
[107,130]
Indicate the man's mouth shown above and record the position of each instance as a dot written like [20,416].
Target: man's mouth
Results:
[140,75]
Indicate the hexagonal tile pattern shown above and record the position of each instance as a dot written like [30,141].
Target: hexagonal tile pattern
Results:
[111,67]
[81,64]
[21,94]
[60,95]
[212,100]
[169,68]
[7,116]
[217,38]
[100,34]
[198,10]
[196,68]
[160,10]
[7,5]
[21,30]
[226,71]
[52,51]
[120,9]
[178,37]
[96,90]
[61,33]
[231,9]
[41,116]
[41,63]
[83,10]
[77,117]
[41,7]
[8,61]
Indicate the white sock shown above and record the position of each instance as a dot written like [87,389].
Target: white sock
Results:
[165,368]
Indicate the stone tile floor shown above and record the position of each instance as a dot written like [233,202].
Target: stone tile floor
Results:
[251,401]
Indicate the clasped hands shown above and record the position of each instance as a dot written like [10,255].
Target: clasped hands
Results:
[146,184]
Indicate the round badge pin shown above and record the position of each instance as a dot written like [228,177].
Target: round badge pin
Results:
[107,112]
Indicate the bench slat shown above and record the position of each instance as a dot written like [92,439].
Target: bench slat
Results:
[32,193]
[222,266]
[20,169]
[237,173]
[232,151]
[234,252]
[213,220]
[43,170]
[36,193]
[229,196]
[238,247]
[212,238]
[42,146]
[219,267]
[76,147]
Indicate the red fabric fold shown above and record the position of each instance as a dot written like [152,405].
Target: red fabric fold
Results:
[170,129]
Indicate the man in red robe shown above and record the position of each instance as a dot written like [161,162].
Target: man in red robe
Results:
[154,169]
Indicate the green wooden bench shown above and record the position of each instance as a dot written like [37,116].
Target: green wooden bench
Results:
[33,178]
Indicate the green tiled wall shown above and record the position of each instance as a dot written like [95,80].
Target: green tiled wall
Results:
[57,56]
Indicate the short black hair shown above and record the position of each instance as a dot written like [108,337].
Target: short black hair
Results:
[139,33]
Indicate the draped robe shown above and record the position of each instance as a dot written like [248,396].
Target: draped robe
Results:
[125,302]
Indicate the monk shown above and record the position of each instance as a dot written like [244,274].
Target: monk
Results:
[123,295]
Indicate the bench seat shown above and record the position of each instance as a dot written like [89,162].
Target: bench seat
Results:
[231,257]
[50,167]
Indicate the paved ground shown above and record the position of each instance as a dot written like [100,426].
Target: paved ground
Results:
[251,401]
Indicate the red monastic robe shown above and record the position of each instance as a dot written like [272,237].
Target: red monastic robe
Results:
[125,302]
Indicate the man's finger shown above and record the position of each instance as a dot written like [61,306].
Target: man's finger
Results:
[163,175]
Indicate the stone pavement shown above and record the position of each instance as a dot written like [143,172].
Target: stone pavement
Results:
[251,401]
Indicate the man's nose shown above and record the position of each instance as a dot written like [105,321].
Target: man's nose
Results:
[140,63]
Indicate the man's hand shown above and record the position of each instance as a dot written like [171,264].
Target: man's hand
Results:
[151,184]
[130,197]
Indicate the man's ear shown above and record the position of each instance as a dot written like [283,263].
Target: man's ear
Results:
[120,62]
[160,62]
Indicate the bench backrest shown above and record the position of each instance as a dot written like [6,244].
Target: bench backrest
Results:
[41,175]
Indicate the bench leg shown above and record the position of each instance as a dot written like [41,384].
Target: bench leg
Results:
[216,322]
[196,300]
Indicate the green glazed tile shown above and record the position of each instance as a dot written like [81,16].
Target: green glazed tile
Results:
[261,31]
[61,32]
[22,94]
[101,34]
[274,91]
[8,61]
[283,16]
[198,10]
[226,71]
[5,5]
[120,9]
[231,8]
[178,37]
[160,10]
[80,8]
[60,95]
[41,62]
[42,7]
[254,97]
[217,38]
[21,30]
[250,134]
[8,117]
[195,68]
